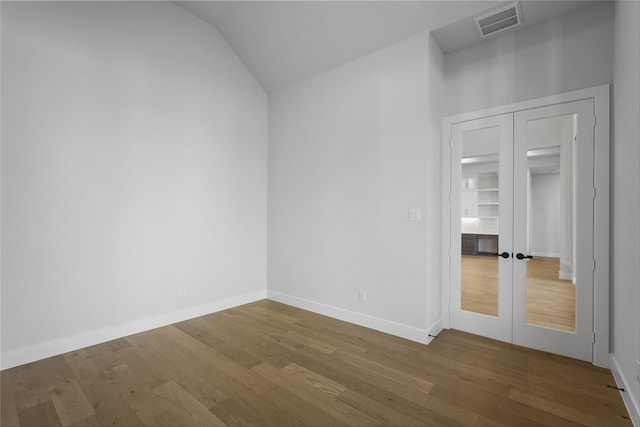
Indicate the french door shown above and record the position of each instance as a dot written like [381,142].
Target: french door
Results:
[522,221]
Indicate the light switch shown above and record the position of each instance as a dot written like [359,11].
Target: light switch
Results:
[414,214]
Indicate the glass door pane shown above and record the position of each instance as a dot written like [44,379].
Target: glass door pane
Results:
[481,226]
[479,220]
[550,289]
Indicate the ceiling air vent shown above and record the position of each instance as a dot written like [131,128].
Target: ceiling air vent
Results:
[499,20]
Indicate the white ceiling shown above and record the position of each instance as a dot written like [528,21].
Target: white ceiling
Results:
[283,42]
[464,32]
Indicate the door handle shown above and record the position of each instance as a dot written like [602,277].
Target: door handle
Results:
[522,256]
[504,255]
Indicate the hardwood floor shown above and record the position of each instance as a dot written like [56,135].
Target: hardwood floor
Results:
[268,364]
[479,284]
[550,301]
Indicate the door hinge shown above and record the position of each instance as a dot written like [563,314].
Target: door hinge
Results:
[594,121]
[594,193]
[593,337]
[594,265]
[451,141]
[450,198]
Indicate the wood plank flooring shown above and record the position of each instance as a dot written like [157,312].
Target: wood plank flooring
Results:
[550,301]
[268,364]
[479,284]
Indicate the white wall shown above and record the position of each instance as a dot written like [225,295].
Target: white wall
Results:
[545,212]
[625,334]
[573,51]
[349,154]
[134,149]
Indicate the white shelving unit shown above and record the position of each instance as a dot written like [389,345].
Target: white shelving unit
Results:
[488,203]
[469,198]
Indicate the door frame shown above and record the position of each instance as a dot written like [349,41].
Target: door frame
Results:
[601,98]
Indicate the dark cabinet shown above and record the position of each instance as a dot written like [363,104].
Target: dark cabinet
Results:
[479,244]
[469,244]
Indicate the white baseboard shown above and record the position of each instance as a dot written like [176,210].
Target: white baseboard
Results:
[29,354]
[630,401]
[360,319]
[566,276]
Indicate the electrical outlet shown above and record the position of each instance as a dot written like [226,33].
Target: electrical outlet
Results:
[182,291]
[362,295]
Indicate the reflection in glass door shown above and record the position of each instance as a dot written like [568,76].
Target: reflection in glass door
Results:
[550,289]
[482,165]
[480,218]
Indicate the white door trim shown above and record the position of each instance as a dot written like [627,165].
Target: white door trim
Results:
[600,95]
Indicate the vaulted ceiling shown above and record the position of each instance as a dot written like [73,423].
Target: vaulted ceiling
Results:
[283,42]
